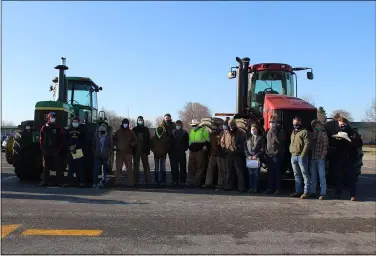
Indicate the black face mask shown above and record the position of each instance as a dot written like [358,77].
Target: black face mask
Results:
[102,132]
[343,127]
[296,126]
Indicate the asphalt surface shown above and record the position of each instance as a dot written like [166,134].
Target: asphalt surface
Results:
[182,221]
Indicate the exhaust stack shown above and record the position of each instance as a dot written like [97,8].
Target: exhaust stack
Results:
[63,86]
[242,89]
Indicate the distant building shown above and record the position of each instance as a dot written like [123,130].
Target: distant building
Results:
[367,130]
[8,129]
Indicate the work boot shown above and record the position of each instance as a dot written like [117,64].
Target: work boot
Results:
[207,186]
[251,190]
[296,195]
[277,192]
[82,185]
[219,187]
[353,198]
[43,184]
[304,196]
[321,197]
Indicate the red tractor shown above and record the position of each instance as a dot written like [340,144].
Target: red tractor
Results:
[270,89]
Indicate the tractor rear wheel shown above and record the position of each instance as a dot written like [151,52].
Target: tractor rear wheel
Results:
[27,160]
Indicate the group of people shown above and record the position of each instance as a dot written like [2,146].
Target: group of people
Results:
[216,159]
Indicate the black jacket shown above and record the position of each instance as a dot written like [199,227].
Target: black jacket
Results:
[180,142]
[51,137]
[76,137]
[145,133]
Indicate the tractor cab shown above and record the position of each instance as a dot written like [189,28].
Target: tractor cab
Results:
[268,79]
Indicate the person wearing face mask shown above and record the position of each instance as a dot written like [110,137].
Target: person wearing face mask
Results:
[347,143]
[142,151]
[223,157]
[214,164]
[320,144]
[198,147]
[51,144]
[299,149]
[169,126]
[180,144]
[76,140]
[234,147]
[275,151]
[102,146]
[160,145]
[254,149]
[125,140]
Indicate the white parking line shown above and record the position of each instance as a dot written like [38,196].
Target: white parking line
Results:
[9,178]
[366,177]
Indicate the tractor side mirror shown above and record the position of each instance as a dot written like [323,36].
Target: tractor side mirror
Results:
[231,74]
[310,75]
[102,115]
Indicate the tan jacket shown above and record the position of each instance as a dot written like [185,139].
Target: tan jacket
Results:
[125,140]
[234,143]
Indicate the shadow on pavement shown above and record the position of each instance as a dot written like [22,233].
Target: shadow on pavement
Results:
[68,199]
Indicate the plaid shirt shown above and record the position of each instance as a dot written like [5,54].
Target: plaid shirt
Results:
[320,145]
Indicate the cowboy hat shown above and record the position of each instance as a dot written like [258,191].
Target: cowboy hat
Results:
[342,135]
[194,122]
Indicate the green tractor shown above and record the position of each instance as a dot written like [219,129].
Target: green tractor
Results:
[73,96]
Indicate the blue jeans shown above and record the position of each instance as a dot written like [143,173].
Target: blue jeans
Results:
[301,172]
[253,178]
[318,166]
[160,165]
[98,163]
[274,172]
[76,166]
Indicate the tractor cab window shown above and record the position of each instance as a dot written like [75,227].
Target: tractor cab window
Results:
[268,82]
[79,94]
[85,115]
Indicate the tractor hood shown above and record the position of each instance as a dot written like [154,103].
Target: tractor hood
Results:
[276,101]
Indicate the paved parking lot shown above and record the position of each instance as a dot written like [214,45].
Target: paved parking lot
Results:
[55,220]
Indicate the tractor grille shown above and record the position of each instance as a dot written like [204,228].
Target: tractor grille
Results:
[40,118]
[286,116]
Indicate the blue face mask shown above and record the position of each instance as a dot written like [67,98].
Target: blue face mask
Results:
[296,126]
[225,127]
[178,127]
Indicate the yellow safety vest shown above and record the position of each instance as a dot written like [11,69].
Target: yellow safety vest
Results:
[198,136]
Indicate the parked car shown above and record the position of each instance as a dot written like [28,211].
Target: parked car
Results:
[4,143]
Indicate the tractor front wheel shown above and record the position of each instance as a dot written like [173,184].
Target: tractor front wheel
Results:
[27,161]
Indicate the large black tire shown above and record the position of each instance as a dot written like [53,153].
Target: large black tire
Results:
[27,160]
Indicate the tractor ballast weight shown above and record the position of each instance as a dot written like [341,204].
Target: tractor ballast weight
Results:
[26,154]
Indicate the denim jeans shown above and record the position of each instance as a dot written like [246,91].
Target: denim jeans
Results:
[301,172]
[274,172]
[76,166]
[253,178]
[318,166]
[160,166]
[98,163]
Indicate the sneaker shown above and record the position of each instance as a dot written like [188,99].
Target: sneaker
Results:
[304,196]
[268,191]
[321,197]
[219,187]
[207,186]
[101,185]
[353,198]
[296,195]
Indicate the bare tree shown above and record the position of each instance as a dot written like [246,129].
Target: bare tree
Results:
[7,123]
[193,110]
[321,114]
[309,99]
[342,113]
[113,119]
[370,115]
[158,121]
[148,123]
